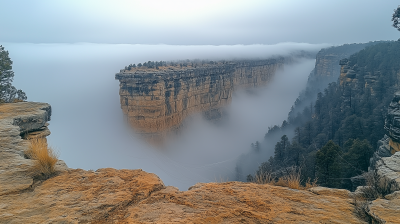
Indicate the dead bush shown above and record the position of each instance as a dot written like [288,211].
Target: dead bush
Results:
[377,186]
[44,158]
[292,179]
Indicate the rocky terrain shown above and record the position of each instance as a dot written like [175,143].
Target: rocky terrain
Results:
[135,196]
[327,69]
[157,101]
[327,66]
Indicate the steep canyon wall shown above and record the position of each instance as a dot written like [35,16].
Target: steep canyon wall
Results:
[157,101]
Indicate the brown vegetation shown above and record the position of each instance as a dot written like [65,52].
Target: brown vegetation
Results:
[44,158]
[10,109]
[291,180]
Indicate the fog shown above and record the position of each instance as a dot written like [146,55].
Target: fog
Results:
[88,127]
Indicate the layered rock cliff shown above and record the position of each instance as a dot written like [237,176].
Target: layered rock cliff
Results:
[327,70]
[386,160]
[386,163]
[158,101]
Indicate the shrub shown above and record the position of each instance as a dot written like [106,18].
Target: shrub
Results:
[44,158]
[377,186]
[291,179]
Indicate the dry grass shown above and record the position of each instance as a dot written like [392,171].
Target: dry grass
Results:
[291,180]
[264,178]
[10,109]
[44,158]
[310,184]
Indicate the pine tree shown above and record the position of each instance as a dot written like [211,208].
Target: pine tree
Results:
[328,164]
[8,93]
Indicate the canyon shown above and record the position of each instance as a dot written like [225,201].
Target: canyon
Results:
[156,101]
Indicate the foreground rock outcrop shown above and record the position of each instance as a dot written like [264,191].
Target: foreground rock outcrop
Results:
[386,163]
[19,121]
[388,208]
[134,196]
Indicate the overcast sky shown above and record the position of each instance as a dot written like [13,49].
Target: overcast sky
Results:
[193,22]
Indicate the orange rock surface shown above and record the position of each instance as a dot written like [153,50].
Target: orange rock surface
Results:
[134,196]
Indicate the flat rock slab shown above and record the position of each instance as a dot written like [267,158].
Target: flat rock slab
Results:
[134,196]
[387,210]
[79,196]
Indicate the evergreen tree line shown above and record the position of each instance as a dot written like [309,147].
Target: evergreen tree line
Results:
[181,64]
[335,137]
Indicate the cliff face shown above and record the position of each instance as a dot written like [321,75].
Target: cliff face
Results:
[386,163]
[356,78]
[158,101]
[357,82]
[18,122]
[392,124]
[327,68]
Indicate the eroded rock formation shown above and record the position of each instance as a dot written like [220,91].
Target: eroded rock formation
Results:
[327,68]
[386,163]
[392,124]
[157,101]
[386,160]
[26,119]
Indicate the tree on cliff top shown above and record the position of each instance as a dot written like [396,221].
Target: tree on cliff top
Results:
[396,18]
[8,93]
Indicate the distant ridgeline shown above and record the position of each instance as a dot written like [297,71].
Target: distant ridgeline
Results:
[157,96]
[335,137]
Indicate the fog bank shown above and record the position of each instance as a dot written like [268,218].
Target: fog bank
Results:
[89,129]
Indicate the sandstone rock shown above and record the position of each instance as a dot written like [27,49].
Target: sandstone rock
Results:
[18,119]
[158,101]
[389,167]
[386,210]
[392,123]
[383,151]
[340,193]
[134,196]
[80,196]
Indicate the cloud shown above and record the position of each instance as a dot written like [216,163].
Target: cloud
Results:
[215,22]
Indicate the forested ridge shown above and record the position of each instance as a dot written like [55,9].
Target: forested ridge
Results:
[335,137]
